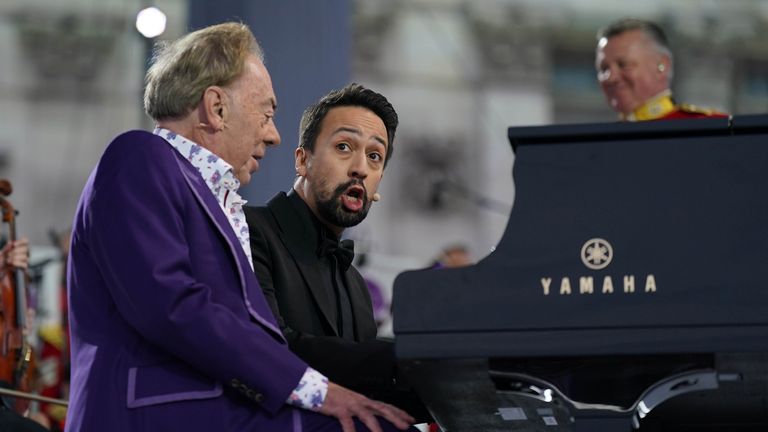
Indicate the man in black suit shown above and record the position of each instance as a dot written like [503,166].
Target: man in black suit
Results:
[321,302]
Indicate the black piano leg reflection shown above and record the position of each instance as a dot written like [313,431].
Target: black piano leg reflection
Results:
[680,393]
[461,397]
[740,404]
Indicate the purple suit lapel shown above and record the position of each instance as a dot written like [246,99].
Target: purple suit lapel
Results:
[254,303]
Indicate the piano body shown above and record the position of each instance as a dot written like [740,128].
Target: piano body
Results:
[629,289]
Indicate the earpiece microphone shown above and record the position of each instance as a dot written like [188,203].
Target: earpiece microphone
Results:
[661,67]
[376,197]
[206,125]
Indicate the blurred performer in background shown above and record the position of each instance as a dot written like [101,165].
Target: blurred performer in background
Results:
[452,256]
[53,351]
[634,69]
[14,255]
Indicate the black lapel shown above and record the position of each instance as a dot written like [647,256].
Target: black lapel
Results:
[360,300]
[300,243]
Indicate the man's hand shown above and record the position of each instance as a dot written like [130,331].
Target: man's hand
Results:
[345,404]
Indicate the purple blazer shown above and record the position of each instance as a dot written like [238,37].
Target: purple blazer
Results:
[169,328]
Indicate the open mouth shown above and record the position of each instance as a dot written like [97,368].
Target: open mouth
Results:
[353,198]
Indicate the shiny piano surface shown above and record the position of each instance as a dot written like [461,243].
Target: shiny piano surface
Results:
[632,276]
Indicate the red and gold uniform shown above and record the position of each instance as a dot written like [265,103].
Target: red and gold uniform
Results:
[663,107]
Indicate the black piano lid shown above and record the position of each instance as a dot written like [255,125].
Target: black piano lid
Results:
[748,124]
[625,131]
[681,200]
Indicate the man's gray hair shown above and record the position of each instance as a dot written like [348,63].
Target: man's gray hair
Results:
[181,70]
[651,29]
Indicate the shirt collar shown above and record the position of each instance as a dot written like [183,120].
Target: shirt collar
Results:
[217,173]
[654,108]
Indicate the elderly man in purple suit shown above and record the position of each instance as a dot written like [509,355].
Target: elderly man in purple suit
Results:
[170,330]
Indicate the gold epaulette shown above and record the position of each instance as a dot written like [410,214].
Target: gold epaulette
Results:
[693,109]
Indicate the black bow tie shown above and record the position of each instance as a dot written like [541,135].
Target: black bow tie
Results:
[344,251]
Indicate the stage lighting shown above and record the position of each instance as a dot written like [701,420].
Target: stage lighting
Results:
[150,22]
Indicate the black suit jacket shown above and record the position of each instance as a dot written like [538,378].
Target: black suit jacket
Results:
[284,247]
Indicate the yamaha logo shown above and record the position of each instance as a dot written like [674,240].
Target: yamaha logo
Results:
[596,253]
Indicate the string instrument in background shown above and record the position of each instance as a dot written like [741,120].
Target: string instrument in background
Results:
[15,352]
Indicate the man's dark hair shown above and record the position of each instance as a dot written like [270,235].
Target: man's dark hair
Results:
[351,95]
[653,30]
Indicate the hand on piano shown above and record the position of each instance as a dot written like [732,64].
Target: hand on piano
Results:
[345,404]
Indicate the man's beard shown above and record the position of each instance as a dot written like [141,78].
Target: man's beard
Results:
[332,211]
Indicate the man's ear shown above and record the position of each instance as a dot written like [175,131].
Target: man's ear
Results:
[214,107]
[301,159]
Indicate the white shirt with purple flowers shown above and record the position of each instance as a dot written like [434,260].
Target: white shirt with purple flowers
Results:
[220,179]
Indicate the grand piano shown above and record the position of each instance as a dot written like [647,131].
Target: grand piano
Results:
[629,290]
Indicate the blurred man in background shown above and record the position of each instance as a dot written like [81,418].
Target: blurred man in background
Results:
[452,256]
[634,68]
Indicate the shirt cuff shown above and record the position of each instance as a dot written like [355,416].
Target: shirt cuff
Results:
[311,391]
